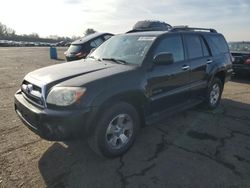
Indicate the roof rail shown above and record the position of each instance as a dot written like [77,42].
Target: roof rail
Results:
[144,30]
[186,28]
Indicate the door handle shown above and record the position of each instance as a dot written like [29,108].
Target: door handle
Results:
[185,67]
[209,61]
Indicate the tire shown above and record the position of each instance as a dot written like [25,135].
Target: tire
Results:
[115,131]
[214,94]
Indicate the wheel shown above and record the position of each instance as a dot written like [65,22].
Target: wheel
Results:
[214,94]
[115,131]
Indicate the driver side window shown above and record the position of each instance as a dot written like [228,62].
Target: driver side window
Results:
[171,44]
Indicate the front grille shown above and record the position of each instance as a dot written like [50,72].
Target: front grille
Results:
[32,93]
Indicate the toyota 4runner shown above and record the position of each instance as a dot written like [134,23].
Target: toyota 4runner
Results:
[132,79]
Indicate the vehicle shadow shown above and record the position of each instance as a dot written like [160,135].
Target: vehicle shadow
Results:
[74,164]
[60,160]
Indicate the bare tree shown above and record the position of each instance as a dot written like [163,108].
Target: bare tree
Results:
[34,35]
[89,31]
[73,38]
[6,31]
[1,29]
[10,34]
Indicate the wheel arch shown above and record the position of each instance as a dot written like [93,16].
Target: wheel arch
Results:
[221,74]
[135,98]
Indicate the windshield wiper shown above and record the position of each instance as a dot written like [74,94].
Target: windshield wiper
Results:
[120,61]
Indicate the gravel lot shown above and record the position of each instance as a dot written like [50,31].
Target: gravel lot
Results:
[195,148]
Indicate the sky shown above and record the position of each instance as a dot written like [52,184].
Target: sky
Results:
[73,17]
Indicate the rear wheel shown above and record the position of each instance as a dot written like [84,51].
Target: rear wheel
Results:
[214,93]
[116,130]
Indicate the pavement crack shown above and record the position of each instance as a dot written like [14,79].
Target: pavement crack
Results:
[241,133]
[241,159]
[124,179]
[223,143]
[227,165]
[161,130]
[201,136]
[216,159]
[247,148]
[224,114]
[142,172]
[160,147]
[244,118]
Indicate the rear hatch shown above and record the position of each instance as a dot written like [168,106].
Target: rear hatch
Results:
[241,58]
[76,51]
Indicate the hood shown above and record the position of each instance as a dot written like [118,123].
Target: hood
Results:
[66,71]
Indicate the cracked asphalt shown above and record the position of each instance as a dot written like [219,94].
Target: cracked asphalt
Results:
[194,148]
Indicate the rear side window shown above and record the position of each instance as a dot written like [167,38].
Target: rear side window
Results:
[106,37]
[219,43]
[205,49]
[171,44]
[97,42]
[194,46]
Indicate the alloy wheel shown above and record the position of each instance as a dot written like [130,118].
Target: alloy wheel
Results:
[119,131]
[214,94]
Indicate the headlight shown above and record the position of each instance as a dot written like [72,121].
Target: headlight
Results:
[65,96]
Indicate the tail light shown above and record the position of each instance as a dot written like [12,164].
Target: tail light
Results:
[81,54]
[232,58]
[247,61]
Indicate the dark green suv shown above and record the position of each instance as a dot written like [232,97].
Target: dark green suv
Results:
[132,79]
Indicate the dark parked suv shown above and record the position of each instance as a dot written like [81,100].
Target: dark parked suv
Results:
[79,49]
[130,80]
[241,53]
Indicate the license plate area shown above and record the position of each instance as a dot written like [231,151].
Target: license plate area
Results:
[28,116]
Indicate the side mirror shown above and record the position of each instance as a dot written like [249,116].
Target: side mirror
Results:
[163,59]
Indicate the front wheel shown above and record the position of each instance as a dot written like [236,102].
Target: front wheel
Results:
[214,94]
[116,130]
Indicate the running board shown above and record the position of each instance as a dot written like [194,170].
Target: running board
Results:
[156,117]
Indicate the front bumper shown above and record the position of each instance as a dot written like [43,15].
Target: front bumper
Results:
[52,124]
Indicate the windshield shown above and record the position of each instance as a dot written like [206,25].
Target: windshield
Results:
[129,49]
[239,46]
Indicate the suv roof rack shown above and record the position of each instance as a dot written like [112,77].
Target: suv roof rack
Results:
[186,28]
